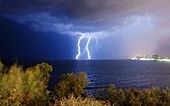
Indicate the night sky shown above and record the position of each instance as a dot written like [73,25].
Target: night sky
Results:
[51,29]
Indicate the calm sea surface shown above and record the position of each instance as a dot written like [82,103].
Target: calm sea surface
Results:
[122,73]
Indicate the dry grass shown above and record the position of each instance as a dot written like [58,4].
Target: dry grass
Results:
[72,101]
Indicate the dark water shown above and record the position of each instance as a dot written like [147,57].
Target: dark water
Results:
[122,73]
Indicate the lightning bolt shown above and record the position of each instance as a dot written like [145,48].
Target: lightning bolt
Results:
[78,45]
[87,48]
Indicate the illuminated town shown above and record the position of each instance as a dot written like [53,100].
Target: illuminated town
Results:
[153,57]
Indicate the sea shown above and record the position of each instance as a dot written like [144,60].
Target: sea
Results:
[102,73]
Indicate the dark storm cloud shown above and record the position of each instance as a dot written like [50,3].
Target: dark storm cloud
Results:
[83,8]
[102,12]
[132,20]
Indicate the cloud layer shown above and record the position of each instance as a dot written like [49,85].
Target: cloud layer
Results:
[142,25]
[105,13]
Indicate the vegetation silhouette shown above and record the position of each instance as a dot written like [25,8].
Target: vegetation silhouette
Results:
[25,87]
[71,84]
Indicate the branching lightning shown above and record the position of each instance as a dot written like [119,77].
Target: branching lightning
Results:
[86,48]
[78,45]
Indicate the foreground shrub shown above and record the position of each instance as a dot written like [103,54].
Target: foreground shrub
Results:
[71,84]
[26,87]
[134,97]
[1,68]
